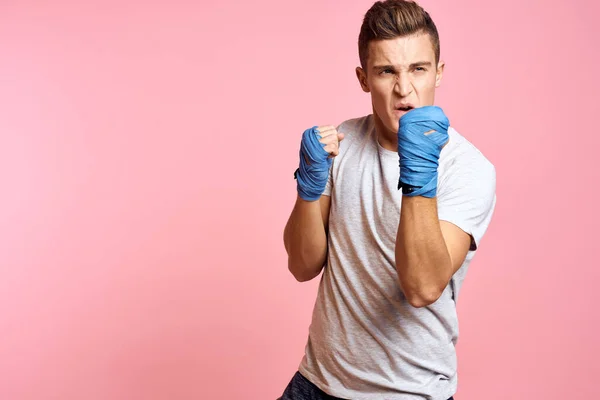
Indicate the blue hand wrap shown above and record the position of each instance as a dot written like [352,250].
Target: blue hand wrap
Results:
[312,178]
[419,153]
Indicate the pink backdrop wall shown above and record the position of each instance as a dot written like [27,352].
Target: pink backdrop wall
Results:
[146,160]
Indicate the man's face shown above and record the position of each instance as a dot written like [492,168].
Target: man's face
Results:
[401,74]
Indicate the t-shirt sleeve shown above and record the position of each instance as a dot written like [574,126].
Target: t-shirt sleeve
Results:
[467,196]
[329,184]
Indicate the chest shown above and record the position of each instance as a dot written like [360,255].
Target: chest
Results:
[365,200]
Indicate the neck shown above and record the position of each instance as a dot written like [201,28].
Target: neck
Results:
[386,138]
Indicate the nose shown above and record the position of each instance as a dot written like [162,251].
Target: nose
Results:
[403,85]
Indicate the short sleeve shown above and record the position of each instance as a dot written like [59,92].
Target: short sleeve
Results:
[329,184]
[467,196]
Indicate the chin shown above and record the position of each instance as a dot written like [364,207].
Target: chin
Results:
[390,121]
[393,124]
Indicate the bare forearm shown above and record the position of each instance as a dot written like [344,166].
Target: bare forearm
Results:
[422,258]
[305,240]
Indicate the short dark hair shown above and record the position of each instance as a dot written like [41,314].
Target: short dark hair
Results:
[390,19]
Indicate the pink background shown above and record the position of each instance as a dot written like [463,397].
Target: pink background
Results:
[146,160]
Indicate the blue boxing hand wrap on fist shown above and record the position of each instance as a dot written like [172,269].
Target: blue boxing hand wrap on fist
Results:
[312,178]
[419,153]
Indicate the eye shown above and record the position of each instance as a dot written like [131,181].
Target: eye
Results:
[387,71]
[420,69]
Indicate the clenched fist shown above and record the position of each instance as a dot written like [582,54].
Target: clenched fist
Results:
[318,147]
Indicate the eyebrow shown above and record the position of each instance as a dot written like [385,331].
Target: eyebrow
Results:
[413,65]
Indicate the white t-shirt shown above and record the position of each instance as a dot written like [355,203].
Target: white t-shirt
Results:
[365,340]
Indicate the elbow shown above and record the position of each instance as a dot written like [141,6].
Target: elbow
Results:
[304,277]
[422,298]
[420,301]
[302,273]
[421,290]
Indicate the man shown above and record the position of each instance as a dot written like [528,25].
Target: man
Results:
[392,207]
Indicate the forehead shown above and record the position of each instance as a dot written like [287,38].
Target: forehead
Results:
[402,50]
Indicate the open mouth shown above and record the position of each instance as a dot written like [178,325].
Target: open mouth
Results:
[407,108]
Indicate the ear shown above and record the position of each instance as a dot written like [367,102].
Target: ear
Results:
[439,73]
[362,79]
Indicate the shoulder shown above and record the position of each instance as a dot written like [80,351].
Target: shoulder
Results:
[464,171]
[462,156]
[357,132]
[466,187]
[358,126]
